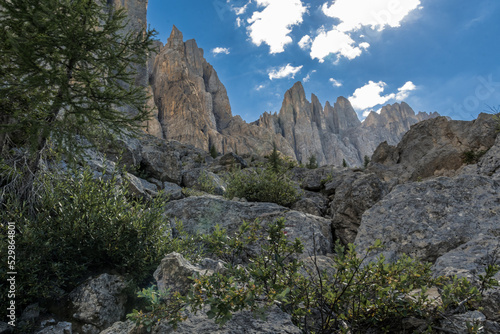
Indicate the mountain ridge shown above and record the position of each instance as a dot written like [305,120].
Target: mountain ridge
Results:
[193,107]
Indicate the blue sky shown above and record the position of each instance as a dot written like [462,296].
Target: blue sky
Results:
[436,55]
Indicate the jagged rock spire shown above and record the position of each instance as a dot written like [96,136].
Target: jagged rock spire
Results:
[176,39]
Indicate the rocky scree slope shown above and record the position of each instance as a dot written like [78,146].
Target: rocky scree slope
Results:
[452,221]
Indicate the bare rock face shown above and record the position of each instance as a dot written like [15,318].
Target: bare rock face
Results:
[242,322]
[276,321]
[354,193]
[203,213]
[429,219]
[436,147]
[174,274]
[333,134]
[193,106]
[100,302]
[489,164]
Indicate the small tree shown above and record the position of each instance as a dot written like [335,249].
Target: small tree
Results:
[313,163]
[275,160]
[344,163]
[366,161]
[213,151]
[66,69]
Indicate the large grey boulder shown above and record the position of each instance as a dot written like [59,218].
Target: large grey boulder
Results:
[352,194]
[428,219]
[174,273]
[242,323]
[470,259]
[435,147]
[201,215]
[458,323]
[312,203]
[139,187]
[53,327]
[204,180]
[161,163]
[172,191]
[5,328]
[99,302]
[489,164]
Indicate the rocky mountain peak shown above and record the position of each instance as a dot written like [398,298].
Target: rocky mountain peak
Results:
[193,108]
[295,95]
[176,39]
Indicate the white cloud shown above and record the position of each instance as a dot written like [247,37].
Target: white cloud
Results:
[239,22]
[364,45]
[336,42]
[274,23]
[220,50]
[284,72]
[241,10]
[378,14]
[259,87]
[404,91]
[335,83]
[354,15]
[305,42]
[370,95]
[308,76]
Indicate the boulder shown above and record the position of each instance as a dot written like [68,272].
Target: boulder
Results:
[99,302]
[174,273]
[139,187]
[172,191]
[201,214]
[489,164]
[276,321]
[470,259]
[124,327]
[232,161]
[161,162]
[5,328]
[435,147]
[53,327]
[314,179]
[352,195]
[311,205]
[428,219]
[458,323]
[203,180]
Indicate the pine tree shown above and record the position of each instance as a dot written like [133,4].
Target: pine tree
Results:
[275,160]
[66,69]
[366,161]
[344,163]
[313,163]
[213,151]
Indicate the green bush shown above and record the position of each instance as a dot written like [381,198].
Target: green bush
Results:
[313,163]
[262,185]
[472,157]
[354,296]
[82,225]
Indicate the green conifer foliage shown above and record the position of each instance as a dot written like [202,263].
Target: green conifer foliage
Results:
[66,68]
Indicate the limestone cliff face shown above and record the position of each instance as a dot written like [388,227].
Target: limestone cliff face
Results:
[335,133]
[193,106]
